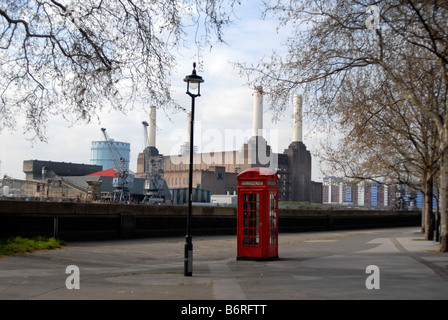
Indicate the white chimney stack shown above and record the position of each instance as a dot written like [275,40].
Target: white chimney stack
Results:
[297,124]
[257,125]
[152,127]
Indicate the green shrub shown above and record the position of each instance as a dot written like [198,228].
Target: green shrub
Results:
[16,245]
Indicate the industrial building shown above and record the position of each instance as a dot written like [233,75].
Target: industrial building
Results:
[164,178]
[100,153]
[40,170]
[368,194]
[217,171]
[54,180]
[107,179]
[61,181]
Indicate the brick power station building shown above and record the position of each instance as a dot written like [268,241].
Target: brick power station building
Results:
[217,172]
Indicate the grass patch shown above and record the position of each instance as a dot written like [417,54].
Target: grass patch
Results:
[17,245]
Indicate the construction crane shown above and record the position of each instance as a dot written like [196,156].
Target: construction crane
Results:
[155,189]
[121,184]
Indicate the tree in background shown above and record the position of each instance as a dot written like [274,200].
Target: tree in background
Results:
[334,42]
[388,140]
[75,57]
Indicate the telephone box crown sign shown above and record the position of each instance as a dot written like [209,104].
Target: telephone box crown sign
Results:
[255,172]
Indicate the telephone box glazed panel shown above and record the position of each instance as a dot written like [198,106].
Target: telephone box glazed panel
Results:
[257,215]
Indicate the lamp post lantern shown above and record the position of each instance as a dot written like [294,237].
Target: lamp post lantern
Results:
[193,90]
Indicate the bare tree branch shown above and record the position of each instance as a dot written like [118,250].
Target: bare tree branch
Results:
[74,57]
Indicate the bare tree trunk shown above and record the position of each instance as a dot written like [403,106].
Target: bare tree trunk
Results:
[428,212]
[423,223]
[443,192]
[437,214]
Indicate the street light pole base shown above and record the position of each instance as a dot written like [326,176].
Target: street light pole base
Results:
[188,257]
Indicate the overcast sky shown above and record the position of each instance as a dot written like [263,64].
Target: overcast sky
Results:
[225,107]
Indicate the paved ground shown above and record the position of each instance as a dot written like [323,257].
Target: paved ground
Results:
[324,265]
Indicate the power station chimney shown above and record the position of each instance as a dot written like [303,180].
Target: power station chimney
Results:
[185,147]
[188,127]
[297,135]
[152,127]
[257,125]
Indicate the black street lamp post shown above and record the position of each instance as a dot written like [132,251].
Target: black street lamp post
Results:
[193,90]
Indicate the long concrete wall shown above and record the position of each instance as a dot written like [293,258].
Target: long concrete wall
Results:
[91,221]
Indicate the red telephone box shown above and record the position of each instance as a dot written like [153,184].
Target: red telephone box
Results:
[257,215]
